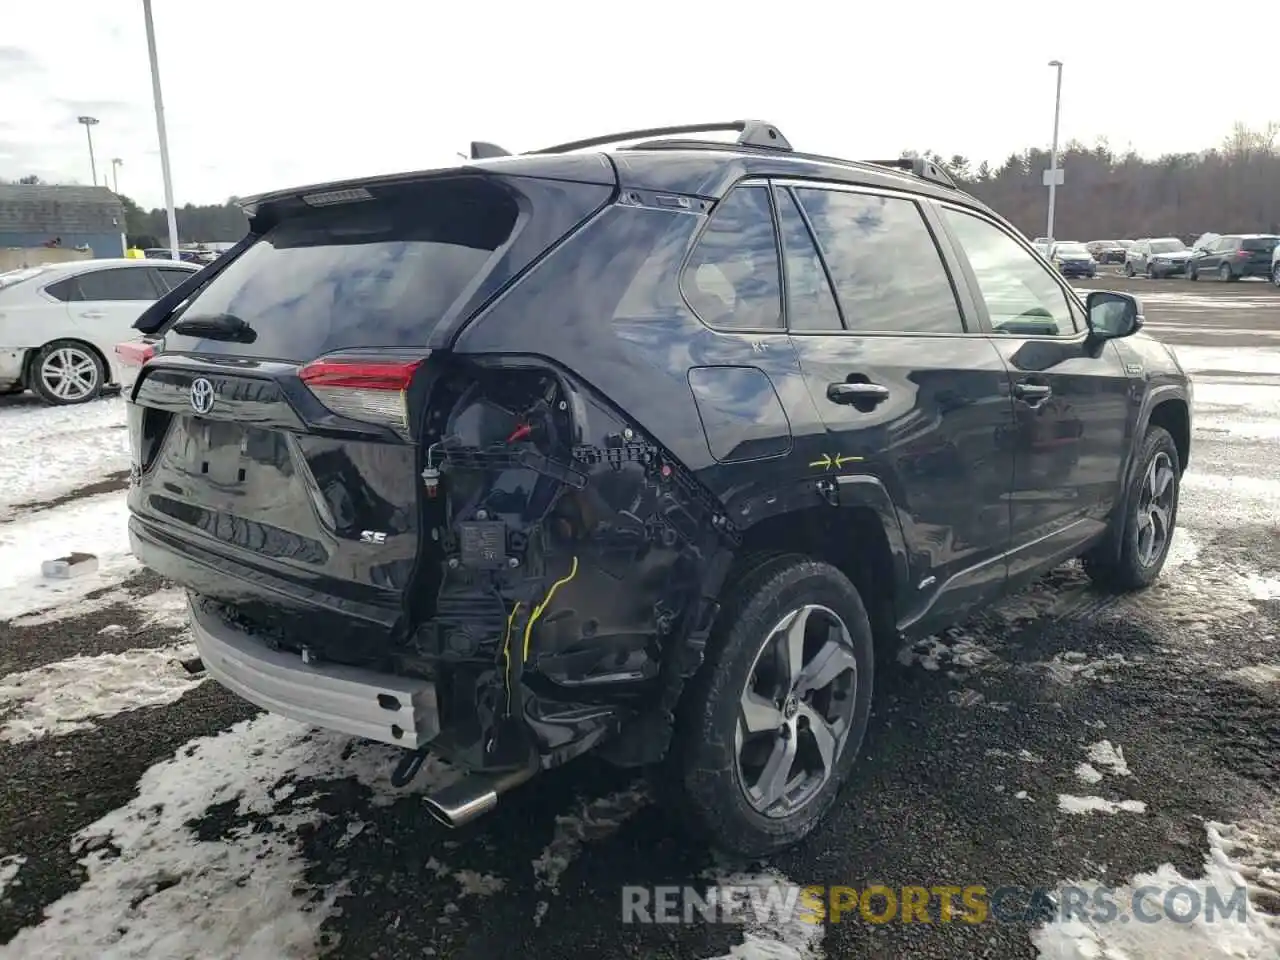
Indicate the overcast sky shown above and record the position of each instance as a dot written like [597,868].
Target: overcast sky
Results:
[272,93]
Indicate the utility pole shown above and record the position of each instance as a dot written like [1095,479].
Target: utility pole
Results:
[1052,177]
[160,130]
[89,124]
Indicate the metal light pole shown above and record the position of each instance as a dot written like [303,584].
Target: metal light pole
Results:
[116,164]
[1053,154]
[89,124]
[164,139]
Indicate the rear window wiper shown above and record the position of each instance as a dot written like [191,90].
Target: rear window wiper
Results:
[216,326]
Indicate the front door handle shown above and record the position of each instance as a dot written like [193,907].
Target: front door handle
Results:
[856,392]
[1031,393]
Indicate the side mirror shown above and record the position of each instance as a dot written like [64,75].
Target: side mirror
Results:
[1113,315]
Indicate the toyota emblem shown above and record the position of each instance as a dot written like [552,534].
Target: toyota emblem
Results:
[201,395]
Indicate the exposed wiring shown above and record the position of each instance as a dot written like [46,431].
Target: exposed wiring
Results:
[537,611]
[506,651]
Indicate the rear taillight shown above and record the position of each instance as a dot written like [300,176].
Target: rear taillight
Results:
[1243,253]
[135,353]
[372,391]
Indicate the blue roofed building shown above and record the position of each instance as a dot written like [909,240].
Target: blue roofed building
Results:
[36,215]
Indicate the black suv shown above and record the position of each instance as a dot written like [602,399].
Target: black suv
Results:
[640,452]
[1232,256]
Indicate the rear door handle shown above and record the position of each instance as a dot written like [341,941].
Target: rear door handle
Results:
[1032,393]
[93,315]
[856,392]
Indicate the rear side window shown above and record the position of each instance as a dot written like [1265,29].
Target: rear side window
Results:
[811,305]
[123,283]
[1261,244]
[377,273]
[888,273]
[170,277]
[731,280]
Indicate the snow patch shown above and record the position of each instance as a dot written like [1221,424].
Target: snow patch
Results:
[953,648]
[1073,665]
[9,867]
[96,525]
[152,879]
[593,820]
[787,938]
[62,697]
[1240,855]
[1087,773]
[48,452]
[1104,754]
[1070,804]
[1259,673]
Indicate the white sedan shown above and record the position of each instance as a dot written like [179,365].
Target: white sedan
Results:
[60,323]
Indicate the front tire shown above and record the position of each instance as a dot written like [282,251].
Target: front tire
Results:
[67,372]
[1151,513]
[1128,270]
[1275,274]
[770,726]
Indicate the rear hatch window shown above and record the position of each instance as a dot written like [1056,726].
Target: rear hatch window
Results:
[374,273]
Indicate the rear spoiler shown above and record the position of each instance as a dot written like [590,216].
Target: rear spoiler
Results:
[156,315]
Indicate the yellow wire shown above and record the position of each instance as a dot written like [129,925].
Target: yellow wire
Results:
[506,651]
[537,611]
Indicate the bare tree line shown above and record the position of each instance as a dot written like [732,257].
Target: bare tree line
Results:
[1106,195]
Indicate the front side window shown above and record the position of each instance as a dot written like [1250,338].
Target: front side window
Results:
[1022,297]
[888,273]
[732,280]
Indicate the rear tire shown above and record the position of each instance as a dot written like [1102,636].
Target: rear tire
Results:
[67,372]
[1275,274]
[1224,273]
[792,647]
[1151,515]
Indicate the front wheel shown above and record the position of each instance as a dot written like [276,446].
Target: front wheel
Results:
[1275,274]
[1128,270]
[1192,275]
[771,725]
[1151,513]
[66,372]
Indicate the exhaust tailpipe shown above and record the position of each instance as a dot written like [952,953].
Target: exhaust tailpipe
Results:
[474,795]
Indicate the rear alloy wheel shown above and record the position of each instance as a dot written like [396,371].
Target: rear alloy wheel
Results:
[66,372]
[771,725]
[1224,273]
[1275,274]
[1150,518]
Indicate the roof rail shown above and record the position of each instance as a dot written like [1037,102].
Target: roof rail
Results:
[480,150]
[753,133]
[920,167]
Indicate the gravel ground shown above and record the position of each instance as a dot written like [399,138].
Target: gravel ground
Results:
[181,822]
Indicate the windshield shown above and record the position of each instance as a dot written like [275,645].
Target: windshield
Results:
[1072,249]
[1167,246]
[11,277]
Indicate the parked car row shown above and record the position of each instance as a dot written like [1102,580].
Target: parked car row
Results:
[1224,257]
